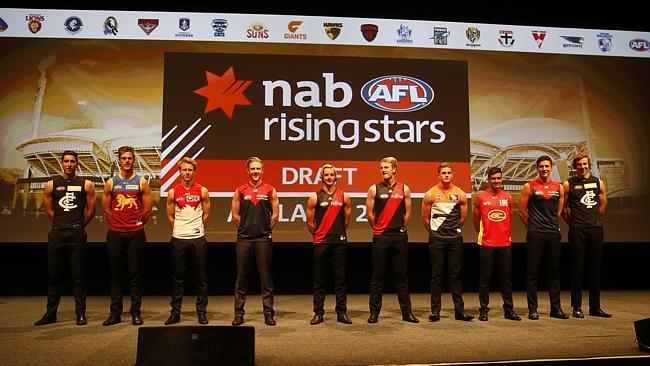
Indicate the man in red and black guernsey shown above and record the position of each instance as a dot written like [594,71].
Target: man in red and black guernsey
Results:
[540,205]
[328,215]
[255,210]
[70,204]
[491,212]
[388,209]
[188,209]
[583,210]
[444,209]
[127,206]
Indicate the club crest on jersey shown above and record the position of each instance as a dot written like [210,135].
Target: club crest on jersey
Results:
[67,202]
[453,197]
[496,215]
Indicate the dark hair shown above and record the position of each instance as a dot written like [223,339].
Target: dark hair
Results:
[494,170]
[69,152]
[580,157]
[125,149]
[542,158]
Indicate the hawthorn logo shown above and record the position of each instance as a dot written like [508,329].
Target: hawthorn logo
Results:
[397,93]
[333,29]
[224,92]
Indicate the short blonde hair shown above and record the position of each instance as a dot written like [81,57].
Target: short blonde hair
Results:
[327,166]
[391,160]
[187,160]
[253,159]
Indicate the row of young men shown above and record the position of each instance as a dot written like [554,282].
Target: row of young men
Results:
[255,208]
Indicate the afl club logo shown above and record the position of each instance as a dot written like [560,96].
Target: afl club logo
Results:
[496,215]
[67,202]
[396,93]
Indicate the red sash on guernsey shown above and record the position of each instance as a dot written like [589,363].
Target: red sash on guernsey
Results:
[329,217]
[386,215]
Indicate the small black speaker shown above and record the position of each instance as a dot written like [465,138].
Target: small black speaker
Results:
[642,328]
[196,345]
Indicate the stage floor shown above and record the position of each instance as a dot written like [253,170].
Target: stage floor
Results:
[294,342]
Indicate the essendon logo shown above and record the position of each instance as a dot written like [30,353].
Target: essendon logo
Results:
[148,25]
[496,215]
[369,31]
[397,93]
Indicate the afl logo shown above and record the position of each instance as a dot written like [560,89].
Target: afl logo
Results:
[496,215]
[639,45]
[396,93]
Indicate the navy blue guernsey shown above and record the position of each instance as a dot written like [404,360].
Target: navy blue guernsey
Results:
[255,210]
[68,202]
[584,202]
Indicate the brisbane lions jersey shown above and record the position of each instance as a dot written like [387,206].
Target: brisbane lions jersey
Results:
[126,205]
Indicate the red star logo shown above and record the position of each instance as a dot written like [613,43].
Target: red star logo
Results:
[224,92]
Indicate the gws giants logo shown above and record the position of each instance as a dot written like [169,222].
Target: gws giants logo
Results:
[396,93]
[496,215]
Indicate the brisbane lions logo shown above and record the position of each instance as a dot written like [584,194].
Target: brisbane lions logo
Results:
[124,201]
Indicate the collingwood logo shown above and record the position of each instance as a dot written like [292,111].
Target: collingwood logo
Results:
[67,202]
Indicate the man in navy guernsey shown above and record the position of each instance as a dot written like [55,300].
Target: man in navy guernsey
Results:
[70,205]
[328,215]
[255,210]
[388,209]
[444,209]
[540,205]
[127,206]
[188,209]
[583,210]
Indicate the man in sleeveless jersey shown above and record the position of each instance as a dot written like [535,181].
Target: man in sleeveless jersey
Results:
[70,204]
[583,210]
[188,209]
[540,205]
[127,206]
[444,209]
[255,210]
[388,209]
[328,214]
[491,213]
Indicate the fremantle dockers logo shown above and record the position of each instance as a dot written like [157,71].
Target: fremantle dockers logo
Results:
[184,24]
[369,31]
[333,30]
[148,25]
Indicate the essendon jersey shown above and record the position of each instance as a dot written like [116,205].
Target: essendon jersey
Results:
[329,218]
[584,202]
[68,202]
[389,209]
[495,218]
[543,206]
[188,212]
[255,210]
[444,222]
[126,205]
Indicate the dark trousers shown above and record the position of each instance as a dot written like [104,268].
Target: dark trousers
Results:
[336,255]
[263,251]
[66,245]
[452,251]
[503,258]
[193,251]
[129,245]
[395,247]
[537,244]
[586,243]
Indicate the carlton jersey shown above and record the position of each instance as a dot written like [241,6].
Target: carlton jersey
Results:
[126,205]
[255,210]
[584,202]
[445,213]
[68,202]
[188,212]
[389,209]
[329,218]
[543,206]
[495,218]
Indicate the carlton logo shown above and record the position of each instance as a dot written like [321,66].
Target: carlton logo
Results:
[496,215]
[396,93]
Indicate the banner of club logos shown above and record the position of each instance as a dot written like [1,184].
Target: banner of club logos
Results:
[318,30]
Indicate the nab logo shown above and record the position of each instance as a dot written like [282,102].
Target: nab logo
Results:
[224,92]
[640,45]
[397,93]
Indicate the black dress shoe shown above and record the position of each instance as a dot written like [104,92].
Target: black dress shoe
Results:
[464,316]
[533,315]
[174,318]
[112,320]
[239,320]
[81,319]
[599,313]
[317,319]
[203,318]
[268,319]
[482,316]
[136,319]
[577,313]
[409,317]
[343,318]
[511,315]
[434,317]
[373,318]
[48,318]
[558,314]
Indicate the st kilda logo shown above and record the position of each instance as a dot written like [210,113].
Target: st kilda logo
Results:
[397,93]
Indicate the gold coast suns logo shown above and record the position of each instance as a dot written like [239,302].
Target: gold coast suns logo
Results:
[123,201]
[496,215]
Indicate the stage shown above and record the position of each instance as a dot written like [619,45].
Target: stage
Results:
[294,342]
